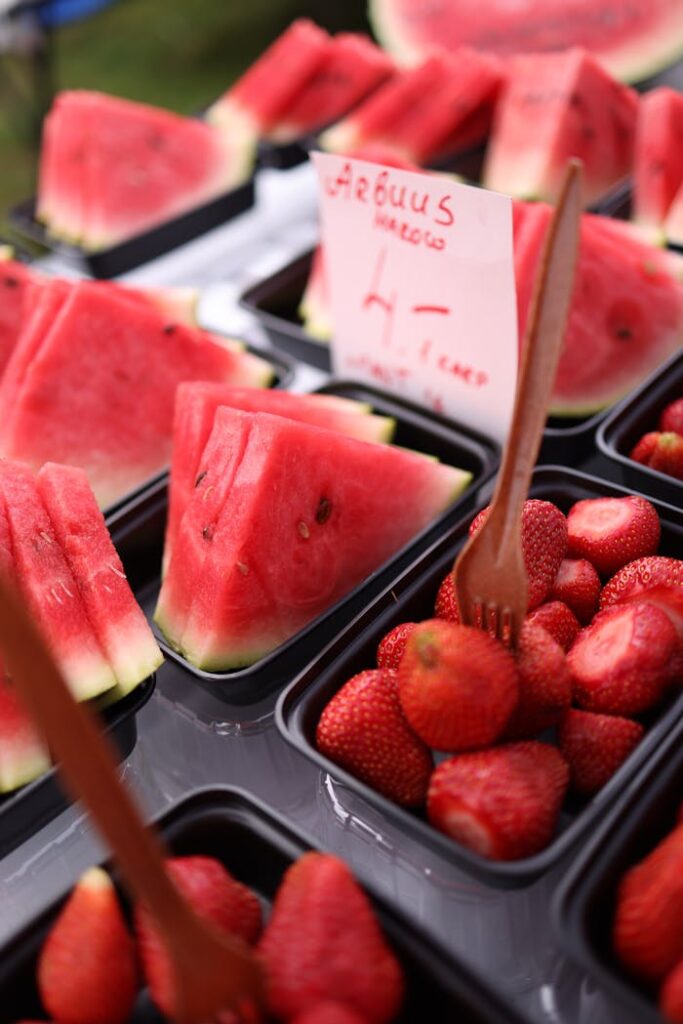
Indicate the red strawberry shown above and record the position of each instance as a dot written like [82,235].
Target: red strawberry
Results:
[667,455]
[545,686]
[620,664]
[642,451]
[610,532]
[578,585]
[595,746]
[671,419]
[391,648]
[329,1012]
[544,540]
[671,996]
[216,897]
[446,606]
[86,970]
[503,802]
[457,685]
[648,937]
[558,620]
[364,730]
[323,942]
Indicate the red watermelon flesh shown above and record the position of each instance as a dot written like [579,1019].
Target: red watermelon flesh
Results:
[673,227]
[626,314]
[354,68]
[262,97]
[15,288]
[195,410]
[658,163]
[116,617]
[554,107]
[62,169]
[632,40]
[23,755]
[314,308]
[99,392]
[308,515]
[48,586]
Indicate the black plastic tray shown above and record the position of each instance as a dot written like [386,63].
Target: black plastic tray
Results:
[584,906]
[636,415]
[147,246]
[411,598]
[26,810]
[284,156]
[257,846]
[138,532]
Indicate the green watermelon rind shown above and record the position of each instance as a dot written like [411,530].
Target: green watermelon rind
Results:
[24,769]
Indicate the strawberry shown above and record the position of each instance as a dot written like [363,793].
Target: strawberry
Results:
[595,746]
[667,455]
[216,897]
[671,996]
[578,585]
[545,686]
[504,802]
[642,451]
[323,942]
[391,648]
[544,541]
[457,685]
[86,970]
[364,730]
[671,419]
[329,1012]
[446,606]
[558,620]
[621,663]
[647,932]
[610,532]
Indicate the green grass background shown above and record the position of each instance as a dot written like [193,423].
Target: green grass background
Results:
[175,53]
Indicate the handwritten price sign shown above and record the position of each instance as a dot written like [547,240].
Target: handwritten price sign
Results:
[421,278]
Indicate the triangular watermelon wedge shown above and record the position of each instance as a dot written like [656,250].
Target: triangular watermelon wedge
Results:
[306,515]
[23,754]
[658,161]
[195,410]
[116,617]
[98,390]
[62,169]
[47,584]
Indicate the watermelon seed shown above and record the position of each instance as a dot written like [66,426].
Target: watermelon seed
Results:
[117,572]
[207,492]
[170,329]
[200,478]
[46,537]
[11,282]
[65,589]
[56,595]
[324,511]
[304,531]
[624,333]
[244,569]
[207,533]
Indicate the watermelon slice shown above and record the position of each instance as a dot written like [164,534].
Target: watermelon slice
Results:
[15,287]
[48,586]
[23,755]
[195,410]
[626,315]
[286,518]
[116,617]
[113,168]
[354,68]
[118,427]
[261,98]
[658,163]
[632,40]
[554,107]
[314,308]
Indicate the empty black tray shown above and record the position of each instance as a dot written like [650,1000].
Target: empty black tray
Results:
[257,846]
[138,533]
[410,598]
[585,904]
[636,415]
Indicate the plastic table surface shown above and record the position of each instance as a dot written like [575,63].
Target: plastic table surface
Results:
[187,739]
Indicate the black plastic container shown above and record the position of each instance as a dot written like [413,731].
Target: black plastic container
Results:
[138,532]
[283,156]
[149,245]
[636,415]
[26,810]
[584,906]
[257,846]
[410,598]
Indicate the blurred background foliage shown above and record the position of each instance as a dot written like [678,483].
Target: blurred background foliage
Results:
[179,54]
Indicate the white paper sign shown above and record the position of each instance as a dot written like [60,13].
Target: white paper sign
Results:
[421,280]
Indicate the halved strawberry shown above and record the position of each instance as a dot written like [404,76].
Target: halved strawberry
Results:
[86,971]
[364,729]
[671,418]
[577,584]
[544,542]
[558,620]
[610,532]
[621,663]
[545,686]
[504,802]
[595,746]
[457,685]
[671,996]
[392,646]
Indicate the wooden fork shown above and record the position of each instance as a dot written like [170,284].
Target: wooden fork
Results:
[490,577]
[212,972]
